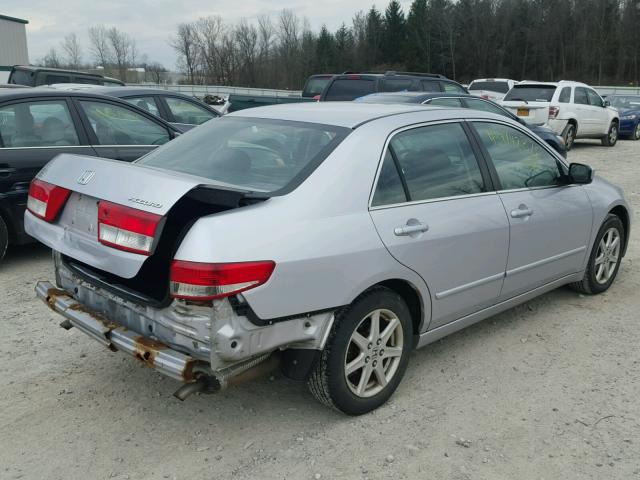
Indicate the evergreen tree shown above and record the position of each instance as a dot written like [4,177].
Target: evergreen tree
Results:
[395,34]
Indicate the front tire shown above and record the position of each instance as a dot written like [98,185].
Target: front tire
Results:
[366,353]
[4,238]
[611,138]
[605,258]
[636,133]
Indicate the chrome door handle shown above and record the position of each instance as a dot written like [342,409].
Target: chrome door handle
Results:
[410,229]
[521,212]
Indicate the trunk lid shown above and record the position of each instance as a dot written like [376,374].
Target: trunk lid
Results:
[169,194]
[536,113]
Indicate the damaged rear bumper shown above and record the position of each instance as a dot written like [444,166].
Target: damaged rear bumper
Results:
[155,354]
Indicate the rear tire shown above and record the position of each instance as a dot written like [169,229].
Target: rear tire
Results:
[359,369]
[636,133]
[604,260]
[569,136]
[611,138]
[4,238]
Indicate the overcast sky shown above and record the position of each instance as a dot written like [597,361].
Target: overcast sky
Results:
[152,23]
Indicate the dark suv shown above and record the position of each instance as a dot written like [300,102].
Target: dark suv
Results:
[36,76]
[349,86]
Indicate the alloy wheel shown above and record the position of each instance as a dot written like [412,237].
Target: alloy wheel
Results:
[374,353]
[569,137]
[607,256]
[613,135]
[636,133]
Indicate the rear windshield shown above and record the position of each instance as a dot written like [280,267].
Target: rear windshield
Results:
[315,86]
[531,93]
[250,153]
[378,98]
[349,89]
[500,87]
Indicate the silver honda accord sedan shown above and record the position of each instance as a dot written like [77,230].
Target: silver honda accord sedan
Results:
[327,240]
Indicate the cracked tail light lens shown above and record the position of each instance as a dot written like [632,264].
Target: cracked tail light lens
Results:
[553,112]
[208,281]
[46,200]
[126,228]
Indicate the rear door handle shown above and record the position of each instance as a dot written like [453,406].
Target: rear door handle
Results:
[410,229]
[521,212]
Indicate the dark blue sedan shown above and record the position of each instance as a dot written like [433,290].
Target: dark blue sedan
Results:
[628,107]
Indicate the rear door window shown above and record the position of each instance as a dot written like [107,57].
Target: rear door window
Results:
[431,86]
[581,97]
[184,111]
[531,93]
[87,80]
[446,102]
[349,89]
[396,85]
[437,162]
[37,124]
[147,103]
[117,125]
[565,95]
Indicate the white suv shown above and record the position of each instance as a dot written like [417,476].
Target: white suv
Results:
[571,109]
[491,88]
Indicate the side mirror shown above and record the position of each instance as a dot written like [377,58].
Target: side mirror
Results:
[606,103]
[580,174]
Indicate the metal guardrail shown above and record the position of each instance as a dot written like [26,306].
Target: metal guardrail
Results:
[202,90]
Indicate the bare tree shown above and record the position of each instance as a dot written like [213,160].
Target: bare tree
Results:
[51,59]
[156,71]
[246,37]
[99,46]
[289,43]
[72,50]
[185,43]
[121,45]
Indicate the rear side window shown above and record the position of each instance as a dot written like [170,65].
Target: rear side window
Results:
[87,80]
[446,102]
[37,124]
[437,162]
[431,86]
[116,125]
[581,97]
[188,112]
[565,95]
[315,86]
[349,89]
[500,87]
[389,189]
[451,87]
[50,79]
[520,162]
[531,93]
[397,85]
[146,103]
[250,153]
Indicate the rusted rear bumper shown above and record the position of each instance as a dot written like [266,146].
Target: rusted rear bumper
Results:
[116,337]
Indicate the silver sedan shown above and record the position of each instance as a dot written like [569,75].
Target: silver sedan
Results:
[328,240]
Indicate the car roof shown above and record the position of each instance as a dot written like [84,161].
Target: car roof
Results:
[417,97]
[342,114]
[493,80]
[58,70]
[120,91]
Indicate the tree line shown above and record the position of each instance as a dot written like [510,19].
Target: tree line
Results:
[595,41]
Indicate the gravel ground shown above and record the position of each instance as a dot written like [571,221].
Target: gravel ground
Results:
[547,390]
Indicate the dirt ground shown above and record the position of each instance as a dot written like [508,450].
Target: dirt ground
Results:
[548,390]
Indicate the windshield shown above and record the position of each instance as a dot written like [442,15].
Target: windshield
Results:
[500,87]
[531,93]
[250,153]
[627,101]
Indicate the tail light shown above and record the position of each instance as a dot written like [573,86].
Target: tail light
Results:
[485,96]
[46,200]
[126,228]
[316,98]
[553,112]
[208,281]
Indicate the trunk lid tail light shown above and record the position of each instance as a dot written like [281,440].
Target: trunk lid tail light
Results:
[127,228]
[553,112]
[209,281]
[46,200]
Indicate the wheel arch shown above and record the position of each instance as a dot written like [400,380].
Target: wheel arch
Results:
[623,214]
[412,297]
